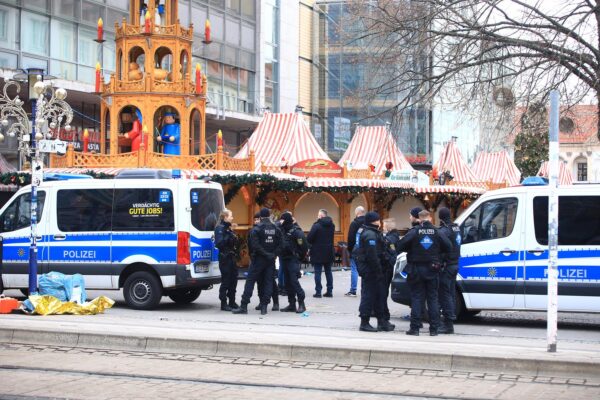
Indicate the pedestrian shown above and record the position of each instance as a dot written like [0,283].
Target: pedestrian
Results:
[280,274]
[424,245]
[391,239]
[359,220]
[447,290]
[265,241]
[228,244]
[413,216]
[320,239]
[294,250]
[261,284]
[369,254]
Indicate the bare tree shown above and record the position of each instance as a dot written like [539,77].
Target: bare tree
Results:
[472,52]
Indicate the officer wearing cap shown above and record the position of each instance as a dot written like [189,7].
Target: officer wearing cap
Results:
[414,216]
[369,255]
[260,284]
[265,242]
[424,245]
[294,249]
[447,290]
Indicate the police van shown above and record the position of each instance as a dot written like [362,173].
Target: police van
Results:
[504,252]
[150,237]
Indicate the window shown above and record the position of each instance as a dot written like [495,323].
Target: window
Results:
[578,220]
[493,219]
[234,5]
[63,70]
[34,33]
[143,210]
[90,12]
[184,15]
[84,210]
[217,25]
[18,214]
[8,32]
[248,37]
[66,8]
[249,8]
[232,31]
[207,204]
[582,174]
[87,47]
[64,39]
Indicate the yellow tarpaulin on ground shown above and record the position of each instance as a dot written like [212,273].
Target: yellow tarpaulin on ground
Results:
[49,305]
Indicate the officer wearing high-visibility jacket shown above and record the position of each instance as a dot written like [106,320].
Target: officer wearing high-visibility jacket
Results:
[369,255]
[447,290]
[424,245]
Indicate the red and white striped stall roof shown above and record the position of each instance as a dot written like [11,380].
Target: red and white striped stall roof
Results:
[282,138]
[374,145]
[564,175]
[451,160]
[496,167]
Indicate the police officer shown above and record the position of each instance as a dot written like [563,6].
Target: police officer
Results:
[368,253]
[391,239]
[294,249]
[260,285]
[265,241]
[227,243]
[424,245]
[447,290]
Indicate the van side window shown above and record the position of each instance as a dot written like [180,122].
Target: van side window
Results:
[143,210]
[578,220]
[84,210]
[18,214]
[493,219]
[207,204]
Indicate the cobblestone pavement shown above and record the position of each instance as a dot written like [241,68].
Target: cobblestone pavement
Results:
[37,371]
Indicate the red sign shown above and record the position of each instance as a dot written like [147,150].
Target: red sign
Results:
[317,167]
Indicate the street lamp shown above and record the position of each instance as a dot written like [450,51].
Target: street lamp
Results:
[48,110]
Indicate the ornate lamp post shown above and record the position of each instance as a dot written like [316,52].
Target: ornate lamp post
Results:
[48,112]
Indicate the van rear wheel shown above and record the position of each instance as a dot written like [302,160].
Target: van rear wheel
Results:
[461,309]
[184,296]
[142,290]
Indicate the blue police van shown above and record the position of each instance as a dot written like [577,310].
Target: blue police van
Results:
[504,252]
[144,232]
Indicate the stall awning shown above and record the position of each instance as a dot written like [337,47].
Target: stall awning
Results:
[451,160]
[374,145]
[564,176]
[282,139]
[496,167]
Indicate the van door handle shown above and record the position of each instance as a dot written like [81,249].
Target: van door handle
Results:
[507,252]
[59,237]
[536,253]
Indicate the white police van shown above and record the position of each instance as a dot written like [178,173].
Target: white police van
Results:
[504,252]
[151,237]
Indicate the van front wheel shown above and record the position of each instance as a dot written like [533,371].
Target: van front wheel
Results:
[184,296]
[142,290]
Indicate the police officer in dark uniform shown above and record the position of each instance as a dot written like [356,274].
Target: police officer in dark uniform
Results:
[227,243]
[424,245]
[447,290]
[391,239]
[265,241]
[369,255]
[294,249]
[260,285]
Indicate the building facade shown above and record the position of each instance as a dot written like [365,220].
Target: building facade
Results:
[250,66]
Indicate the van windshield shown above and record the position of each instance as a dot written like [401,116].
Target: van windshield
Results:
[207,204]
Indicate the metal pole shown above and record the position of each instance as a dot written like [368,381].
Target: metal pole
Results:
[33,216]
[553,166]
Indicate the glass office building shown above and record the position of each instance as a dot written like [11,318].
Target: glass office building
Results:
[344,74]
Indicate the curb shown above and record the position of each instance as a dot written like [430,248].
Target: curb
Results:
[308,353]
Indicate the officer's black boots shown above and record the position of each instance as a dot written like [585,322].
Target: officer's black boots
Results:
[412,332]
[225,306]
[301,307]
[263,309]
[233,304]
[290,308]
[365,326]
[433,332]
[384,325]
[447,327]
[257,308]
[275,305]
[243,309]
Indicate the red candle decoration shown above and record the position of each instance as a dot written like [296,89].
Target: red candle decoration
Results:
[147,28]
[220,139]
[100,30]
[86,140]
[198,79]
[98,78]
[207,31]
